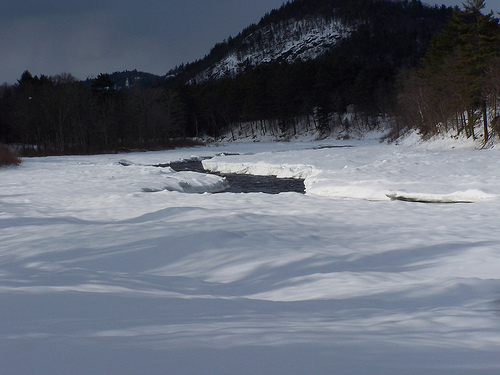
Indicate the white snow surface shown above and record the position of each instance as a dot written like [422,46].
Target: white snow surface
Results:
[108,268]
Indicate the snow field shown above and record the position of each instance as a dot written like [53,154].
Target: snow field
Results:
[99,276]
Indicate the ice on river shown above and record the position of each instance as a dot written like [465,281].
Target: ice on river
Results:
[108,267]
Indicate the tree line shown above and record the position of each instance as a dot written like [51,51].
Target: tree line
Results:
[60,114]
[457,85]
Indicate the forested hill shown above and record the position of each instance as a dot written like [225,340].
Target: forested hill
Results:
[393,32]
[303,64]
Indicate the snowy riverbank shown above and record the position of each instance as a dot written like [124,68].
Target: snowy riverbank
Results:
[108,268]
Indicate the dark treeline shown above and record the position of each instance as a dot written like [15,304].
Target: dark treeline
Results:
[286,94]
[457,86]
[60,114]
[63,115]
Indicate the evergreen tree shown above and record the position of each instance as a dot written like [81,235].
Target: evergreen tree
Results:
[453,73]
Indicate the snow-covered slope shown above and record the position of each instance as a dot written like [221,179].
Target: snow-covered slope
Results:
[287,41]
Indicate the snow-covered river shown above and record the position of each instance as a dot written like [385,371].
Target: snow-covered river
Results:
[245,183]
[112,267]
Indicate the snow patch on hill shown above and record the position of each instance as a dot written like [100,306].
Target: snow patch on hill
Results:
[287,41]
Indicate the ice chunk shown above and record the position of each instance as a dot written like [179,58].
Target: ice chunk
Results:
[468,196]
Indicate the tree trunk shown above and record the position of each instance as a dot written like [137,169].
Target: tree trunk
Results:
[485,122]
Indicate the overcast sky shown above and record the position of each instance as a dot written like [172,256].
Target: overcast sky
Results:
[88,37]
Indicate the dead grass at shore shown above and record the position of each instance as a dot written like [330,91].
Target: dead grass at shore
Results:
[8,157]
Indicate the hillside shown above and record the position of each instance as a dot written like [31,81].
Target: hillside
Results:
[394,31]
[286,41]
[302,66]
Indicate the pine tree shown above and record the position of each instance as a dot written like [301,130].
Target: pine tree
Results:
[478,36]
[454,70]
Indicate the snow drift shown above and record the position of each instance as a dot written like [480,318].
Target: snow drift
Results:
[99,277]
[468,196]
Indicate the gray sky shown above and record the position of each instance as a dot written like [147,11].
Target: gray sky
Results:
[88,37]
